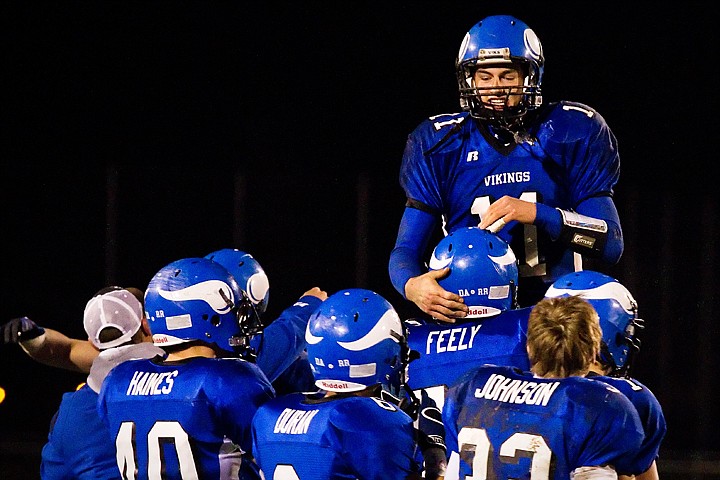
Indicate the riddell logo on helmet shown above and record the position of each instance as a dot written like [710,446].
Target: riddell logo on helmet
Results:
[334,385]
[478,310]
[158,340]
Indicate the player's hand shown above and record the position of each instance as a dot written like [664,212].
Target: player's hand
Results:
[425,292]
[316,292]
[20,329]
[505,210]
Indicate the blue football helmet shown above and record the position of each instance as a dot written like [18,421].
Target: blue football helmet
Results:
[496,41]
[252,280]
[483,270]
[355,339]
[617,310]
[196,299]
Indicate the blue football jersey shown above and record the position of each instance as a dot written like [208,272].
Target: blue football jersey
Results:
[299,437]
[79,445]
[283,340]
[173,418]
[456,169]
[503,423]
[447,351]
[651,417]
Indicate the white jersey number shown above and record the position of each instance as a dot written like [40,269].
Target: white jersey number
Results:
[530,266]
[285,472]
[475,441]
[160,433]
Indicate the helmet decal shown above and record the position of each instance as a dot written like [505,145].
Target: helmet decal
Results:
[215,293]
[508,258]
[388,324]
[612,290]
[464,46]
[533,45]
[439,263]
[312,339]
[257,287]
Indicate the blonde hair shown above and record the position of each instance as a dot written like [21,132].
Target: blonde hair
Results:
[564,337]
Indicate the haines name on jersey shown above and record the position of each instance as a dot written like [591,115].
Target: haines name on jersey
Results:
[294,422]
[451,340]
[509,390]
[151,383]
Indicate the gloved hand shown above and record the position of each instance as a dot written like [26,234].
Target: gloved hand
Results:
[20,329]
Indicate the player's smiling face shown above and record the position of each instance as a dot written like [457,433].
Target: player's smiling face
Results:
[498,83]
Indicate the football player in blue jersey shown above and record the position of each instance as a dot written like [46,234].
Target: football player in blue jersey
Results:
[353,427]
[540,174]
[551,422]
[617,310]
[273,348]
[280,346]
[171,416]
[483,271]
[79,445]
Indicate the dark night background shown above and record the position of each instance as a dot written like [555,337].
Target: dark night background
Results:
[137,133]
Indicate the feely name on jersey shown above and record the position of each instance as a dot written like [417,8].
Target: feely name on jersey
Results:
[294,422]
[503,389]
[451,340]
[151,383]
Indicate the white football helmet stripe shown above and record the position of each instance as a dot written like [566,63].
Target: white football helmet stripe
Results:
[507,259]
[437,264]
[310,338]
[257,286]
[610,290]
[390,321]
[207,292]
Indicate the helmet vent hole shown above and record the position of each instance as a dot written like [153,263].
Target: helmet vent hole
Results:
[177,272]
[214,320]
[241,264]
[356,316]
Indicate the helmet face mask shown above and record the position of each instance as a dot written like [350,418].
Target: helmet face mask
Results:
[248,273]
[254,294]
[617,310]
[500,41]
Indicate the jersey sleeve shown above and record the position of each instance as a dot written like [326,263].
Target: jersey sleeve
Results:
[416,176]
[653,423]
[238,389]
[283,340]
[616,428]
[593,151]
[420,178]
